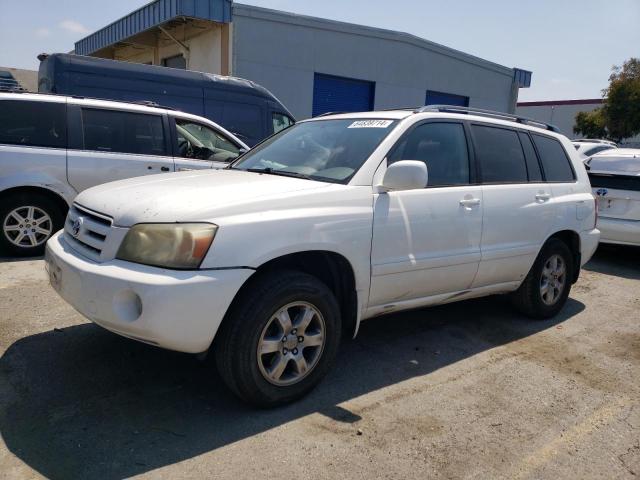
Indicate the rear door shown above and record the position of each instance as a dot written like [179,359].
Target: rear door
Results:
[108,145]
[518,205]
[198,146]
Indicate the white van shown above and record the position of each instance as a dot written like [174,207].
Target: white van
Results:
[53,147]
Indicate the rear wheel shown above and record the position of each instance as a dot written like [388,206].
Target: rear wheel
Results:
[546,288]
[279,339]
[27,222]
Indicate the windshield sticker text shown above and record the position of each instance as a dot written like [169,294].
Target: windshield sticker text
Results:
[371,124]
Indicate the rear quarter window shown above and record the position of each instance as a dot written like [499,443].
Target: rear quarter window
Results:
[555,162]
[33,124]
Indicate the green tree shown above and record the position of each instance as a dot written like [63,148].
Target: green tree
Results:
[619,116]
[591,124]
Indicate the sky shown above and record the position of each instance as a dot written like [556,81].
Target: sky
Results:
[570,45]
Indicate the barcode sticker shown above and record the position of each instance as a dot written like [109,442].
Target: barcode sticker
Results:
[371,124]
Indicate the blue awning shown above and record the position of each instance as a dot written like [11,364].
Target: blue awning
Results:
[151,15]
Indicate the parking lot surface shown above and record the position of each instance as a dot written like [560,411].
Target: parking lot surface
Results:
[468,390]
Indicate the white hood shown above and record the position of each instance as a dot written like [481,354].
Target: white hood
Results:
[190,196]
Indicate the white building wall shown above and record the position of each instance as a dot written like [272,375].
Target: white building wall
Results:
[563,116]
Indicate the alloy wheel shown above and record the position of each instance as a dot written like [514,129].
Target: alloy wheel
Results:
[291,344]
[27,227]
[553,279]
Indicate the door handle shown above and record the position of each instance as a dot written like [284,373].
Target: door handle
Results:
[183,169]
[543,197]
[469,202]
[165,169]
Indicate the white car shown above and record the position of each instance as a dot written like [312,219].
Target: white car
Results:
[615,178]
[53,147]
[587,147]
[333,221]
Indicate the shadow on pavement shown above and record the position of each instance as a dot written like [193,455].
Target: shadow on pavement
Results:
[619,260]
[84,403]
[5,259]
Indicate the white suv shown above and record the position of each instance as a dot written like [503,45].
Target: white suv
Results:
[333,221]
[53,147]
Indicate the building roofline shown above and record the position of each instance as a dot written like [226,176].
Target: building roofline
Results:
[586,101]
[353,28]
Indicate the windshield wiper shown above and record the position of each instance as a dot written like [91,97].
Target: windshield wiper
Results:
[283,173]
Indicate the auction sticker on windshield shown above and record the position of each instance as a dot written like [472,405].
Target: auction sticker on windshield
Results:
[371,124]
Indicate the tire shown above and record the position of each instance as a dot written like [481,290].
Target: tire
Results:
[48,220]
[532,298]
[251,323]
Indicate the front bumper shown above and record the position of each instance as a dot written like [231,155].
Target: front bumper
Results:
[177,310]
[623,232]
[588,244]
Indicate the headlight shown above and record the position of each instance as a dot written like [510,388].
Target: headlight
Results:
[180,246]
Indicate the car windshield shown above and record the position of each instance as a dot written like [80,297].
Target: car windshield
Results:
[325,150]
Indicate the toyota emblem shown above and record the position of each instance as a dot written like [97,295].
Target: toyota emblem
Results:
[602,192]
[77,225]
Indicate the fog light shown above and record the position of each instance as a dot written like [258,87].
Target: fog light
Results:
[127,305]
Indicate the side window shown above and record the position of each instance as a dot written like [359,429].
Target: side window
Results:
[281,121]
[533,167]
[500,155]
[34,124]
[122,132]
[443,147]
[556,164]
[200,142]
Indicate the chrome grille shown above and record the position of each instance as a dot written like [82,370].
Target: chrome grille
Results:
[87,231]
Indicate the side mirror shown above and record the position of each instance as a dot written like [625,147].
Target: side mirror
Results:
[405,175]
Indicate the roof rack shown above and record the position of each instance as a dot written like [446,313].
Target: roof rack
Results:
[487,113]
[325,114]
[593,140]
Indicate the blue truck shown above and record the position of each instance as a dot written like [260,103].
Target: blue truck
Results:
[241,106]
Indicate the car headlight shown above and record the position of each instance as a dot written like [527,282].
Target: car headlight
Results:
[179,246]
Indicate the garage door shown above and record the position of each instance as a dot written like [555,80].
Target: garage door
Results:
[443,98]
[339,94]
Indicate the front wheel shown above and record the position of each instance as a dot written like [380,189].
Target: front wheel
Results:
[279,338]
[546,288]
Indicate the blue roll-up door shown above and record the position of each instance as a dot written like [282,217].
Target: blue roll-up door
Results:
[442,98]
[339,94]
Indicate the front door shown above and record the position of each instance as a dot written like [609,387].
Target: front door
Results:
[111,145]
[426,242]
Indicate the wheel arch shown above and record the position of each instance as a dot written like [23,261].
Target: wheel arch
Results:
[55,197]
[571,238]
[331,268]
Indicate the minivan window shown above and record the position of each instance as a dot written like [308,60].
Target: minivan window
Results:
[201,142]
[500,155]
[34,124]
[122,132]
[554,159]
[281,121]
[442,147]
[533,166]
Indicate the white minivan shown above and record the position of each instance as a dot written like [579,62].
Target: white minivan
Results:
[269,262]
[52,147]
